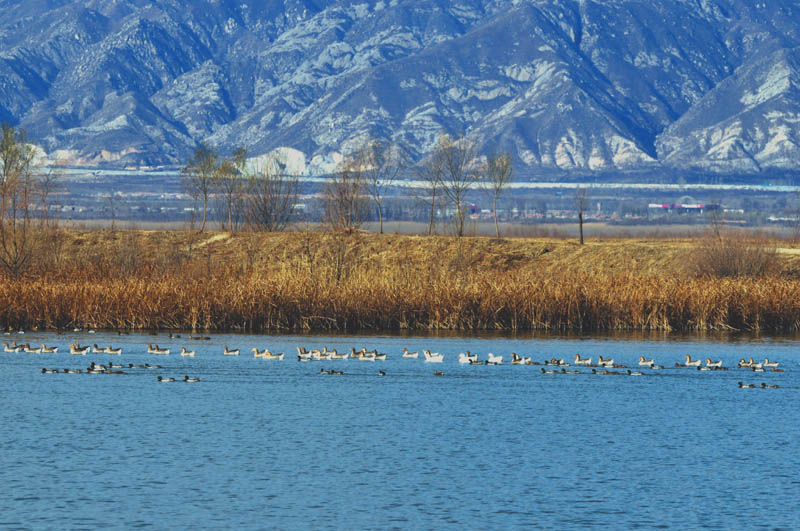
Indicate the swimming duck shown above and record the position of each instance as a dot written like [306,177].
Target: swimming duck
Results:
[381,373]
[634,373]
[165,380]
[438,373]
[49,371]
[190,380]
[745,386]
[765,386]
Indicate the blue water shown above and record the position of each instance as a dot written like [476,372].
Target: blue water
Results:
[273,444]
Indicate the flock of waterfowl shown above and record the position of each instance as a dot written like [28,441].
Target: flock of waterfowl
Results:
[603,366]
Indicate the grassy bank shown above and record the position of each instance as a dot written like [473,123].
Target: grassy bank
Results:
[317,281]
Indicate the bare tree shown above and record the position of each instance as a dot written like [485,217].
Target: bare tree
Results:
[380,163]
[581,202]
[200,174]
[19,193]
[345,200]
[230,183]
[430,172]
[498,175]
[459,174]
[272,195]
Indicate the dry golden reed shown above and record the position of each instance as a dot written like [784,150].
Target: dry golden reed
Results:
[317,281]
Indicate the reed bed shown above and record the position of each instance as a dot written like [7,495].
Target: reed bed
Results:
[311,281]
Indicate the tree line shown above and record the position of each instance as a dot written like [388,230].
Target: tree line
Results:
[265,198]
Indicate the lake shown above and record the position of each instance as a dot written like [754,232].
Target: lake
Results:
[275,444]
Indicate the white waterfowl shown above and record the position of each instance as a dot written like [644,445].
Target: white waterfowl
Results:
[770,364]
[340,355]
[494,360]
[713,364]
[407,354]
[98,350]
[745,386]
[434,357]
[754,364]
[605,363]
[467,357]
[189,353]
[516,359]
[114,351]
[582,361]
[692,363]
[267,355]
[646,363]
[49,350]
[190,380]
[230,352]
[32,350]
[75,348]
[155,349]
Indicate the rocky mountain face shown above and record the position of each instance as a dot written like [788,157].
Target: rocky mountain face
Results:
[565,85]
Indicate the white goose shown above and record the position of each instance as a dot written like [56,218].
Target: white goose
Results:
[434,357]
[227,352]
[154,349]
[605,363]
[98,350]
[582,361]
[189,353]
[516,359]
[466,357]
[49,350]
[114,351]
[31,350]
[340,355]
[692,363]
[646,363]
[755,365]
[267,355]
[407,354]
[713,364]
[770,364]
[75,348]
[494,360]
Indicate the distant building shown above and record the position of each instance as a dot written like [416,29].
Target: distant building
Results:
[684,208]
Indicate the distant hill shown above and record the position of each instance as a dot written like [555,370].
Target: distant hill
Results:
[566,85]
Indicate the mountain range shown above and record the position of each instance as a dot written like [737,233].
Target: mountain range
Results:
[567,86]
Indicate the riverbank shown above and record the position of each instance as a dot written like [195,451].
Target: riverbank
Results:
[305,281]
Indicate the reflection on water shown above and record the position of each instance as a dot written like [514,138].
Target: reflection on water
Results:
[261,443]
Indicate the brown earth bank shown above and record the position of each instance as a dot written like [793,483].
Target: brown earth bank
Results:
[304,281]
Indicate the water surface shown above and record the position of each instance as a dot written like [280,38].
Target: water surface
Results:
[274,444]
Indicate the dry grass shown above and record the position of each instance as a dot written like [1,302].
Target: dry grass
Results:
[318,281]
